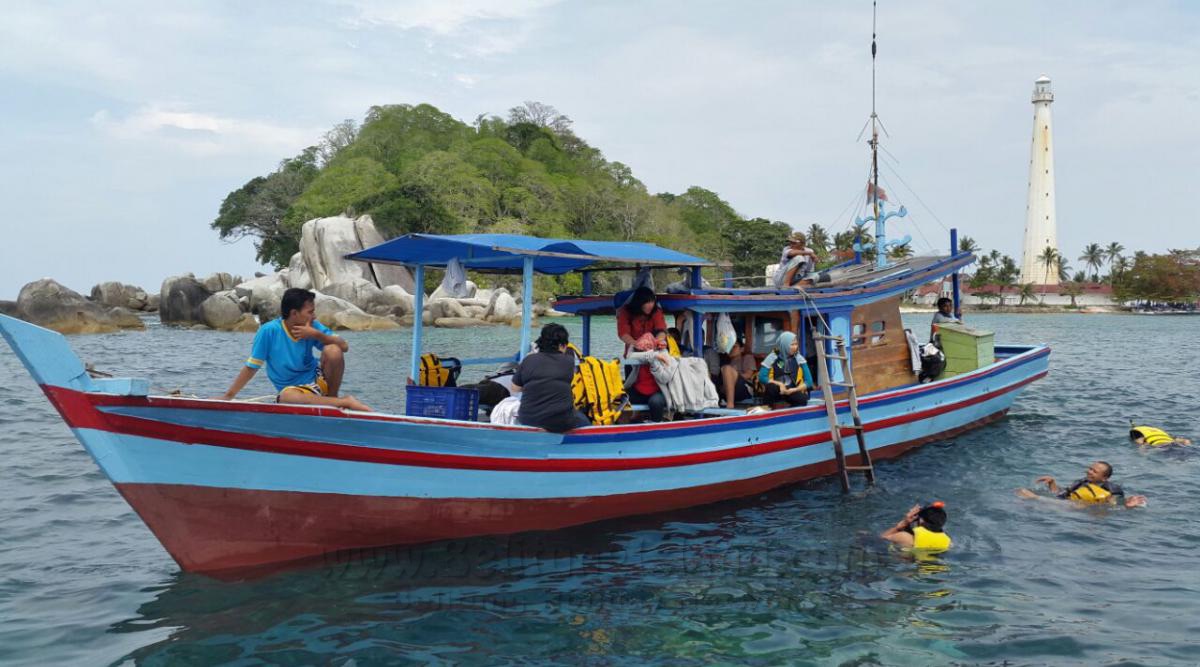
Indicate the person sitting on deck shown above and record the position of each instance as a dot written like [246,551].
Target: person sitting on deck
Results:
[639,316]
[921,529]
[1096,487]
[1154,437]
[544,381]
[286,344]
[738,369]
[642,384]
[784,374]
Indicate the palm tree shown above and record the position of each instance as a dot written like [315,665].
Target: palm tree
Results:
[1093,256]
[1113,253]
[818,239]
[1119,267]
[1048,258]
[1026,293]
[967,244]
[903,251]
[1071,289]
[1064,269]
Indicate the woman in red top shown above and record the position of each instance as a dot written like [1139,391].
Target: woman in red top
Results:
[641,315]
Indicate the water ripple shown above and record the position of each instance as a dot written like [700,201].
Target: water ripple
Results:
[794,576]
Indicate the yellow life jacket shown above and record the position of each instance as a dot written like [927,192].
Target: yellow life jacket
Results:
[598,388]
[928,541]
[1152,436]
[432,373]
[1090,493]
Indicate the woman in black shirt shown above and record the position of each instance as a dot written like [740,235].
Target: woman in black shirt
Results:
[544,381]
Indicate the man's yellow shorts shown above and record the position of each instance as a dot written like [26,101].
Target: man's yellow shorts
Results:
[319,387]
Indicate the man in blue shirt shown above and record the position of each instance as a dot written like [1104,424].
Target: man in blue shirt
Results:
[285,346]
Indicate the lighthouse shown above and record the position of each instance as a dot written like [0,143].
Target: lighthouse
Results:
[1041,230]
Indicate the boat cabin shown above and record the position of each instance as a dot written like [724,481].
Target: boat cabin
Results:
[857,302]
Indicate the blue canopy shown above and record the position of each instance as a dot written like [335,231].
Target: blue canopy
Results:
[505,253]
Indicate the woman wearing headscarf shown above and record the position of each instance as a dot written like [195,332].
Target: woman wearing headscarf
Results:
[784,373]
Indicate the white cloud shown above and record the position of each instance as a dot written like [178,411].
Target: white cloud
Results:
[203,134]
[470,27]
[443,17]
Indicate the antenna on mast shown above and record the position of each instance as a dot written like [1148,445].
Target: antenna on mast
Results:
[873,191]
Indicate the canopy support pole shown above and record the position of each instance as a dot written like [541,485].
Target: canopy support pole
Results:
[526,305]
[954,286]
[418,321]
[697,318]
[587,319]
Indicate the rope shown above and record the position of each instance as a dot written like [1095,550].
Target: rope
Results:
[917,196]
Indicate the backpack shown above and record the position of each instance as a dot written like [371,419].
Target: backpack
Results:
[933,362]
[598,388]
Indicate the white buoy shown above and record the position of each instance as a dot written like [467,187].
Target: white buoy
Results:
[1041,224]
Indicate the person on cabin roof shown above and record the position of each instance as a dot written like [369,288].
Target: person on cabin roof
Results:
[642,384]
[285,346]
[544,381]
[1096,487]
[738,369]
[921,529]
[796,261]
[1154,437]
[784,374]
[640,315]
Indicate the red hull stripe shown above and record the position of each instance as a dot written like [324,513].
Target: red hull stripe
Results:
[105,400]
[219,529]
[79,412]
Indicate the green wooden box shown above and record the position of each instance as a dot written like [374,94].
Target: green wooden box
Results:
[966,348]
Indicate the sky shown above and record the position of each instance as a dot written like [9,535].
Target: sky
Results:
[124,124]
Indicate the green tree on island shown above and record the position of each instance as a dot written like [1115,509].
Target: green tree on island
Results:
[1093,257]
[1113,253]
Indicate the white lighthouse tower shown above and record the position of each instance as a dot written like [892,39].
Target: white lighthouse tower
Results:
[1041,225]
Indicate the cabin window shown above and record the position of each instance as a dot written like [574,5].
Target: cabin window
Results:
[766,334]
[857,335]
[877,332]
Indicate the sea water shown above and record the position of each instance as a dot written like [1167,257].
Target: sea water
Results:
[796,576]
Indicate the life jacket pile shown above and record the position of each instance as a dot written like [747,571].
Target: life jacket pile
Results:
[433,373]
[598,388]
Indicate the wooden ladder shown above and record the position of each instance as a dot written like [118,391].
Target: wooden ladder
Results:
[835,426]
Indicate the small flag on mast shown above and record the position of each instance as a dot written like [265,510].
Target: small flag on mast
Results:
[871,192]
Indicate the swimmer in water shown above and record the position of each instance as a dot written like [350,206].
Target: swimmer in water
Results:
[1095,488]
[1153,437]
[921,529]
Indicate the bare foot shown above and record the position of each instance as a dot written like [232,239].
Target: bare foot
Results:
[351,403]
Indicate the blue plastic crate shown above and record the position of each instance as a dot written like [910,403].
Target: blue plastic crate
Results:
[442,402]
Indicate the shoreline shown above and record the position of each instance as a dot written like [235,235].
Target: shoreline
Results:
[1023,310]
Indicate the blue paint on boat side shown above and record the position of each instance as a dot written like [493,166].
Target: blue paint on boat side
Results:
[673,438]
[133,459]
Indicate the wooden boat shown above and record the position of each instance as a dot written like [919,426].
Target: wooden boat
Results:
[227,485]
